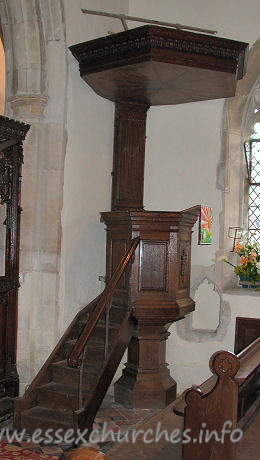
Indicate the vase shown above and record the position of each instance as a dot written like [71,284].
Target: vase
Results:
[246,283]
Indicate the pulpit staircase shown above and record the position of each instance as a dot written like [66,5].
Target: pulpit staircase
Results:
[70,387]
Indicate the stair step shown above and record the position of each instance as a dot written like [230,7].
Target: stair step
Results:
[55,395]
[95,349]
[100,325]
[98,335]
[43,418]
[116,314]
[62,373]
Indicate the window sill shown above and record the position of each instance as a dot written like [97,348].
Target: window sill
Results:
[242,292]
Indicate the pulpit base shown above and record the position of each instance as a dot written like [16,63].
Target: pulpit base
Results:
[145,390]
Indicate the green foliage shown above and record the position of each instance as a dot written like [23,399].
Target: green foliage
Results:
[249,263]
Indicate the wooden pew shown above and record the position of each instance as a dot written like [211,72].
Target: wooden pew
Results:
[226,401]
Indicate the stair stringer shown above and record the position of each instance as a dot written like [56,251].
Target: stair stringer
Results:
[44,376]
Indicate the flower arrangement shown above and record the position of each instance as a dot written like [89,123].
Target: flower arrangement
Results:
[249,263]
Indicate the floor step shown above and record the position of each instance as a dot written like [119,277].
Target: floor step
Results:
[62,373]
[46,419]
[56,395]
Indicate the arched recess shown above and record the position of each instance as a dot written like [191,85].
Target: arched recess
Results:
[36,80]
[231,172]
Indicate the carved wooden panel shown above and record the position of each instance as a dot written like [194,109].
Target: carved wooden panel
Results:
[247,330]
[184,265]
[153,266]
[12,133]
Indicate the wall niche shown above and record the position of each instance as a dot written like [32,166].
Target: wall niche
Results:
[210,320]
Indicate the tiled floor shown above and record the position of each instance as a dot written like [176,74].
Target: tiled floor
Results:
[117,417]
[113,415]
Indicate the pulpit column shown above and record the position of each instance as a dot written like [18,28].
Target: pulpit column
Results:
[129,153]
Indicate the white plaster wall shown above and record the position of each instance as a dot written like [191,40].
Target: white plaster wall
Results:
[189,361]
[87,179]
[234,19]
[182,154]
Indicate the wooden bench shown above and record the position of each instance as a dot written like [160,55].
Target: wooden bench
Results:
[227,400]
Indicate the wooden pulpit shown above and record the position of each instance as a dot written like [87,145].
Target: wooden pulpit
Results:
[136,69]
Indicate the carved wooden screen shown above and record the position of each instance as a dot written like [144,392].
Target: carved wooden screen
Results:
[12,133]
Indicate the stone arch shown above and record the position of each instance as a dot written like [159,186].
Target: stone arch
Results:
[36,74]
[231,177]
[24,46]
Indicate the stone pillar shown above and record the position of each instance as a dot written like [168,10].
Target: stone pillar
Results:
[36,66]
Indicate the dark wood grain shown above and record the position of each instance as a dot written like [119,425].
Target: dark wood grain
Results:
[247,330]
[156,292]
[74,358]
[12,134]
[129,153]
[44,376]
[229,395]
[156,65]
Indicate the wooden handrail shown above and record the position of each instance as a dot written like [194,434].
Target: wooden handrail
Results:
[249,348]
[74,358]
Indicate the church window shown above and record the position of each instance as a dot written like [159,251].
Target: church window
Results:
[252,150]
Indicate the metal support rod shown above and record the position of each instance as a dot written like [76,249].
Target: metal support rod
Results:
[81,369]
[124,17]
[107,328]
